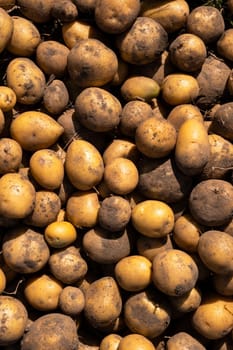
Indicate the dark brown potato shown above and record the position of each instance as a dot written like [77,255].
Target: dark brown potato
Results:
[38,11]
[222,123]
[211,202]
[149,246]
[56,97]
[60,330]
[64,10]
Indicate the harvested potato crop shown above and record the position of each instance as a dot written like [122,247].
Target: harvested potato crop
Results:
[97,109]
[26,79]
[143,42]
[91,63]
[35,130]
[139,88]
[6,26]
[180,270]
[7,98]
[56,97]
[11,155]
[13,319]
[60,234]
[71,301]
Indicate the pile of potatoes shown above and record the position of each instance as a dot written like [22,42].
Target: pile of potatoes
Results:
[116,175]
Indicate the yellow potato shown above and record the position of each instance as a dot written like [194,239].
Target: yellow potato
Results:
[6,28]
[7,98]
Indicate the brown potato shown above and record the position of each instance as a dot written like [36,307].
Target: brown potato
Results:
[139,88]
[51,57]
[64,10]
[7,99]
[183,341]
[91,63]
[149,246]
[155,138]
[38,11]
[211,202]
[180,270]
[97,109]
[187,302]
[143,42]
[7,4]
[222,122]
[60,331]
[56,97]
[71,301]
[11,155]
[6,26]
[25,250]
[182,112]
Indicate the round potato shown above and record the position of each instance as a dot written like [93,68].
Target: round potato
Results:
[56,97]
[7,98]
[11,155]
[135,342]
[60,234]
[6,26]
[71,301]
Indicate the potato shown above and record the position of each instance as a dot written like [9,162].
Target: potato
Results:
[223,284]
[38,12]
[162,180]
[25,37]
[11,155]
[214,249]
[42,292]
[172,15]
[120,148]
[51,57]
[97,109]
[46,209]
[25,250]
[147,313]
[183,341]
[139,88]
[133,113]
[71,301]
[184,278]
[152,218]
[114,213]
[211,202]
[26,79]
[213,318]
[187,302]
[188,52]
[125,276]
[179,88]
[56,97]
[106,247]
[84,165]
[206,22]
[64,11]
[143,42]
[103,303]
[60,234]
[7,98]
[17,196]
[121,176]
[180,113]
[224,44]
[222,121]
[110,342]
[91,63]
[149,246]
[60,332]
[6,26]
[13,319]
[155,138]
[35,130]
[192,149]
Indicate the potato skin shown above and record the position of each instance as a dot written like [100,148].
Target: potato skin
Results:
[56,97]
[38,11]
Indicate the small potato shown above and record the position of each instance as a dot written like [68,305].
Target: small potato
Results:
[82,208]
[105,247]
[183,341]
[211,202]
[13,319]
[187,302]
[180,270]
[172,15]
[46,208]
[7,98]
[135,342]
[6,27]
[153,218]
[114,213]
[51,57]
[103,303]
[17,196]
[206,22]
[83,165]
[64,11]
[110,342]
[11,155]
[143,42]
[44,162]
[60,234]
[147,313]
[56,97]
[35,130]
[26,79]
[124,272]
[67,265]
[71,301]
[192,149]
[139,88]
[149,246]
[91,63]
[97,109]
[178,88]
[42,292]
[182,112]
[25,37]
[114,18]
[215,250]
[25,250]
[38,11]
[155,138]
[120,148]
[121,176]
